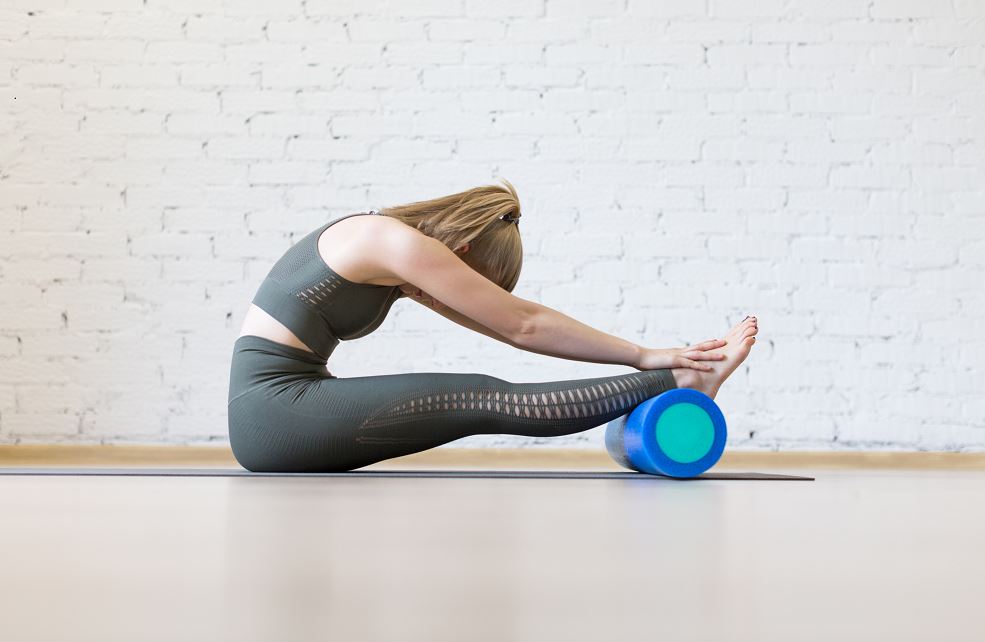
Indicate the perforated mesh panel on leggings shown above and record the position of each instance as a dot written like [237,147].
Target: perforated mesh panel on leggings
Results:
[517,404]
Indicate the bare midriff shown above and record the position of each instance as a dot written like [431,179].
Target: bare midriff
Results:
[260,324]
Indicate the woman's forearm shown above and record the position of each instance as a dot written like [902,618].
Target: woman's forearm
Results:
[464,321]
[607,348]
[553,333]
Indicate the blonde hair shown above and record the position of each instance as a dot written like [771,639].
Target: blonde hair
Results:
[473,216]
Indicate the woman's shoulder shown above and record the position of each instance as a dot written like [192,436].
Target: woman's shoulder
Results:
[384,232]
[371,220]
[352,246]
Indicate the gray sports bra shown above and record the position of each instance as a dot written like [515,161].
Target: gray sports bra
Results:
[316,303]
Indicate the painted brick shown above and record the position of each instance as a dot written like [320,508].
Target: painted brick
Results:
[680,165]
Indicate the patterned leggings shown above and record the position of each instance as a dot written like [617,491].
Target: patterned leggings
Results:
[287,414]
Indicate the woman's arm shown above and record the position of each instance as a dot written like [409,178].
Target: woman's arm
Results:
[466,322]
[463,320]
[427,264]
[651,358]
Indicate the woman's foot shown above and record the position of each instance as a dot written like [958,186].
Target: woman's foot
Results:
[738,342]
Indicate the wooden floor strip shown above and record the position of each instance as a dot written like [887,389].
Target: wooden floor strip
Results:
[491,458]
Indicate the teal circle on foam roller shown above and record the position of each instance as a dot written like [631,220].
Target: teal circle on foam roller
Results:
[685,432]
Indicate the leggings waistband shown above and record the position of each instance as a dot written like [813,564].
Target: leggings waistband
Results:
[249,342]
[257,362]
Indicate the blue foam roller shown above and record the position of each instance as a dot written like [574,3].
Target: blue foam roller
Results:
[680,433]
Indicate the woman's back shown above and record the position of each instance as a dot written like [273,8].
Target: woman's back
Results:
[305,303]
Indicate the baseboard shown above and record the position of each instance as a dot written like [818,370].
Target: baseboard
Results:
[452,457]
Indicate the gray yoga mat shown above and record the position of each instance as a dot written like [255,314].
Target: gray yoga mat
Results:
[387,474]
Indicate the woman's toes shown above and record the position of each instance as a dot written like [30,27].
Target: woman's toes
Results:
[742,330]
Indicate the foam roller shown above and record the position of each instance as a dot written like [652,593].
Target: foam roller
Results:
[680,433]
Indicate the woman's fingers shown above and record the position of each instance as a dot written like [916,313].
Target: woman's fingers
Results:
[711,344]
[684,362]
[704,356]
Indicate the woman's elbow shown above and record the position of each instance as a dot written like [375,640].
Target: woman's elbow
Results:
[526,323]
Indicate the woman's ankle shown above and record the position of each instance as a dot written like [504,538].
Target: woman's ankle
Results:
[684,377]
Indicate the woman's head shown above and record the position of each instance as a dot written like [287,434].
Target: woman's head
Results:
[473,219]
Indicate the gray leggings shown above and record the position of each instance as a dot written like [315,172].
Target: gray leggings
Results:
[287,414]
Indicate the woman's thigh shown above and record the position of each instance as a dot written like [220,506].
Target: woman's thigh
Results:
[335,424]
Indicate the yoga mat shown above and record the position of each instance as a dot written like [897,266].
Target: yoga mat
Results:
[388,474]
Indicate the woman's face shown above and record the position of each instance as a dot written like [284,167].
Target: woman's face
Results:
[414,292]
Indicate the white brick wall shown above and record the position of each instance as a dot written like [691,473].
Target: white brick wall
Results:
[819,164]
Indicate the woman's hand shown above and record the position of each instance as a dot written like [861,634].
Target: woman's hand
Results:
[689,357]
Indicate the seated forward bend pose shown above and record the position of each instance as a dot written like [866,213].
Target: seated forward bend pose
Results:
[459,255]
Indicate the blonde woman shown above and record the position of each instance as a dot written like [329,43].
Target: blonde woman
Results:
[459,255]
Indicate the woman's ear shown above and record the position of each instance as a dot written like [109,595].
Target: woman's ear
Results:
[462,249]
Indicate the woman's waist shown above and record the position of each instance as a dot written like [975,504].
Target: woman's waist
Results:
[260,323]
[258,361]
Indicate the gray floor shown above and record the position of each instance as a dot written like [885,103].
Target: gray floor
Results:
[852,556]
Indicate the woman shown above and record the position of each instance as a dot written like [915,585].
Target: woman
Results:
[459,255]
